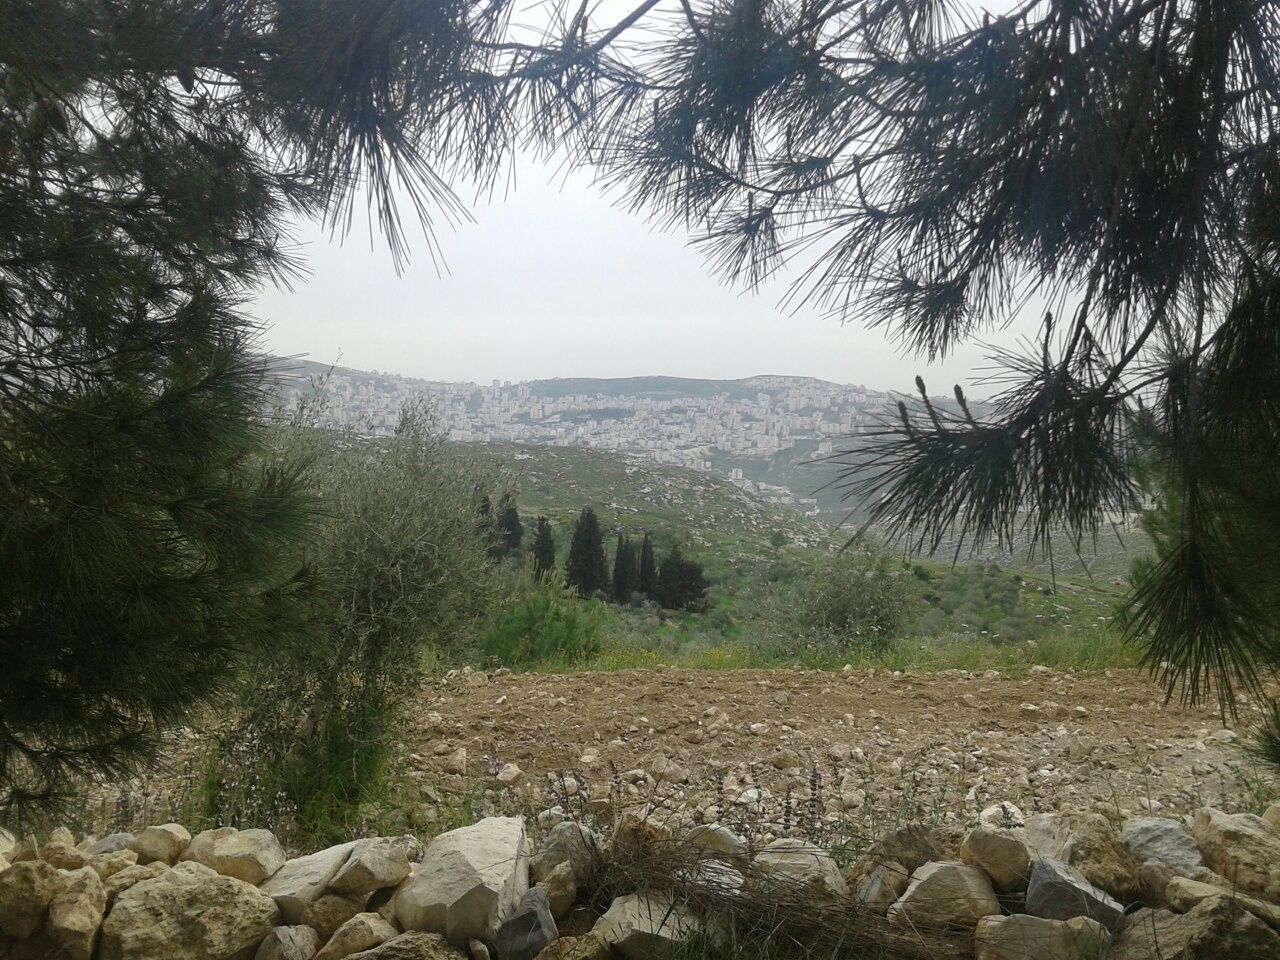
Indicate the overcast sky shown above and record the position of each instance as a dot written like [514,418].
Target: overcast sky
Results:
[554,280]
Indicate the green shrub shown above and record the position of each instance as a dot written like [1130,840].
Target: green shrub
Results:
[852,600]
[546,623]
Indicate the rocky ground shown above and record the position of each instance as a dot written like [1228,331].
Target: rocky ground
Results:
[886,746]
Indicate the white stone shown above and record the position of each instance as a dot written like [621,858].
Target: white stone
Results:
[1156,838]
[374,864]
[1002,854]
[302,881]
[362,932]
[567,842]
[75,914]
[789,860]
[1024,937]
[248,855]
[945,894]
[468,882]
[164,843]
[715,838]
[289,943]
[646,927]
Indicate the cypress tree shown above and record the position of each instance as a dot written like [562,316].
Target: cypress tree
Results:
[626,573]
[681,582]
[648,575]
[544,547]
[509,528]
[586,568]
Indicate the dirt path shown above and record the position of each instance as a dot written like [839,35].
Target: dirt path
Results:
[948,743]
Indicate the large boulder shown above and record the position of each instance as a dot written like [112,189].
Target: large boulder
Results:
[1024,937]
[1183,894]
[912,846]
[1058,891]
[107,865]
[717,840]
[364,931]
[248,855]
[881,888]
[374,864]
[1215,929]
[190,912]
[26,890]
[118,883]
[646,927]
[561,890]
[1095,849]
[790,861]
[566,842]
[302,881]
[528,930]
[1243,848]
[63,855]
[162,844]
[1163,840]
[329,911]
[945,894]
[75,915]
[111,843]
[469,881]
[1002,854]
[289,943]
[414,945]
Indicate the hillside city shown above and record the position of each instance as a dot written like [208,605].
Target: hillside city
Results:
[729,428]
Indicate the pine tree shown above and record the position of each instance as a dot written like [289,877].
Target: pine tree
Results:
[586,568]
[153,156]
[544,547]
[510,529]
[647,581]
[626,572]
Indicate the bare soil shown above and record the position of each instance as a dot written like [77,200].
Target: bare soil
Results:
[882,744]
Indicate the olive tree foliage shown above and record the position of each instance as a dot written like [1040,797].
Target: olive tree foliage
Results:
[933,171]
[152,158]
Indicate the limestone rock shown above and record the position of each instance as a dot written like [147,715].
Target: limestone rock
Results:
[329,911]
[528,930]
[1022,937]
[586,947]
[945,894]
[163,843]
[301,881]
[118,883]
[1183,894]
[666,770]
[1153,878]
[248,855]
[289,943]
[75,915]
[374,864]
[26,890]
[637,838]
[646,927]
[912,846]
[107,865]
[567,842]
[716,839]
[188,912]
[793,861]
[1243,848]
[63,855]
[1157,838]
[561,890]
[1215,929]
[1002,854]
[1006,815]
[1272,815]
[364,931]
[882,887]
[1096,850]
[1058,891]
[414,945]
[468,882]
[1044,835]
[111,843]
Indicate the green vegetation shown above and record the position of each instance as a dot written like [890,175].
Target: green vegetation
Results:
[546,623]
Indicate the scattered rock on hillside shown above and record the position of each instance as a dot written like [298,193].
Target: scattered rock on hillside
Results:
[1183,894]
[75,915]
[111,843]
[561,890]
[119,882]
[945,894]
[1096,850]
[794,862]
[1002,854]
[26,890]
[1058,891]
[567,842]
[329,911]
[469,880]
[718,840]
[1212,930]
[1243,848]
[882,887]
[1021,937]
[528,930]
[364,931]
[374,863]
[646,926]
[190,912]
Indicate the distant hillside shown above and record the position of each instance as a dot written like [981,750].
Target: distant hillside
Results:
[711,517]
[663,387]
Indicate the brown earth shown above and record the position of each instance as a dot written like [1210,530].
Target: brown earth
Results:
[882,744]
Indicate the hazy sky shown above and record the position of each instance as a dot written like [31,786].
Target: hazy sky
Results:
[553,279]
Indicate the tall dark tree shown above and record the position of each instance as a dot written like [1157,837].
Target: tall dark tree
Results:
[586,568]
[544,547]
[1114,161]
[152,158]
[647,580]
[626,570]
[509,528]
[681,582]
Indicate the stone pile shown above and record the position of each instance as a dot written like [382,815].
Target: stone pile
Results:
[1046,887]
